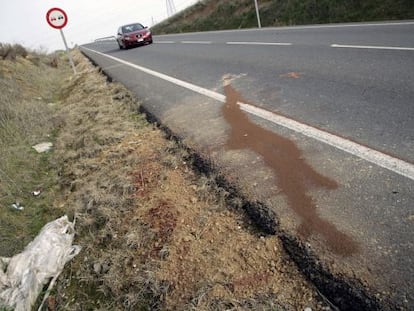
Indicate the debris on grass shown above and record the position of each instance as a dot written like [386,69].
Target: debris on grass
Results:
[43,147]
[17,206]
[23,276]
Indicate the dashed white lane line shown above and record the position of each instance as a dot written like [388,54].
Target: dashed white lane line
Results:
[165,42]
[374,47]
[393,164]
[196,42]
[258,43]
[290,44]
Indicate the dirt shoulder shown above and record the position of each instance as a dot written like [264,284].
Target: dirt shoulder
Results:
[155,234]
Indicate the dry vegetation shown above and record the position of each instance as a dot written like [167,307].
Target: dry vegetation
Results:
[155,234]
[233,14]
[28,90]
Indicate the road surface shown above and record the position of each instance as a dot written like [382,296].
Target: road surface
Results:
[333,103]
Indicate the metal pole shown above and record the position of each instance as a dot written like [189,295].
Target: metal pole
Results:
[67,51]
[170,8]
[258,15]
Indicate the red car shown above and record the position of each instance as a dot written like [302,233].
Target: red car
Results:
[133,35]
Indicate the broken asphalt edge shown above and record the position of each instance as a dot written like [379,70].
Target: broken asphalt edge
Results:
[340,291]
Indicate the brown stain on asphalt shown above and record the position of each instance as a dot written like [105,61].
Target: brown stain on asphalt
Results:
[294,176]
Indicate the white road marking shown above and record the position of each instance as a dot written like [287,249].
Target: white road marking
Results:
[165,77]
[393,164]
[376,157]
[196,42]
[258,43]
[401,48]
[164,42]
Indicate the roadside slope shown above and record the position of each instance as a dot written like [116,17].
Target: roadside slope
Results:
[29,86]
[216,15]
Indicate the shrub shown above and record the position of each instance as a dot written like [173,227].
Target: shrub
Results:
[10,52]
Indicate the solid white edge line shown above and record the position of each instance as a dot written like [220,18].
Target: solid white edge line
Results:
[178,82]
[376,157]
[196,42]
[258,43]
[374,47]
[373,156]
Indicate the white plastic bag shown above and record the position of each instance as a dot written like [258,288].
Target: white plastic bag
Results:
[23,276]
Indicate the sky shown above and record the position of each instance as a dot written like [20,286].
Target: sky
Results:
[24,21]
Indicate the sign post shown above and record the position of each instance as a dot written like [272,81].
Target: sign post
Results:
[58,19]
[257,14]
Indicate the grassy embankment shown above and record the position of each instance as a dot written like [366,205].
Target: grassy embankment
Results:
[234,14]
[155,234]
[29,84]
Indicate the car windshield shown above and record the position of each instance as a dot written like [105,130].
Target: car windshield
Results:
[131,28]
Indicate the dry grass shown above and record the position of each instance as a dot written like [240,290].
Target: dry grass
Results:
[26,118]
[155,235]
[10,52]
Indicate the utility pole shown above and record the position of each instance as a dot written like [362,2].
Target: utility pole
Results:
[257,14]
[170,8]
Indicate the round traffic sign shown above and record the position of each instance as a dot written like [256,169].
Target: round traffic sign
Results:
[56,18]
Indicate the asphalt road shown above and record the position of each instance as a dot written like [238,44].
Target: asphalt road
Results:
[355,81]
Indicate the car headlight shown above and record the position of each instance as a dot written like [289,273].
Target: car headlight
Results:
[126,37]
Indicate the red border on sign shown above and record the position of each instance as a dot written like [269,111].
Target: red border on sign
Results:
[61,11]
